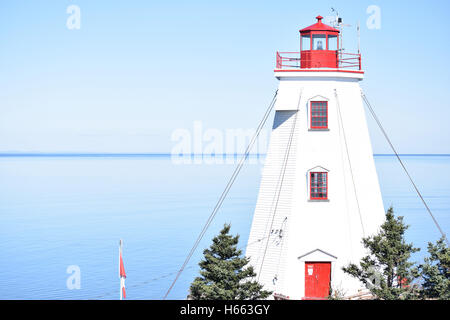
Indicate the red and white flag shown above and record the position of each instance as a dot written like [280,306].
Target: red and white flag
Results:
[122,274]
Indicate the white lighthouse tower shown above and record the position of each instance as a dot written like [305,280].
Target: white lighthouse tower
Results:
[319,193]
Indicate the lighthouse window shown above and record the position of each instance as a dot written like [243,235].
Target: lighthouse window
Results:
[306,42]
[319,42]
[318,185]
[332,42]
[319,115]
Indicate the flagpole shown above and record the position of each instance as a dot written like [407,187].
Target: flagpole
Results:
[120,277]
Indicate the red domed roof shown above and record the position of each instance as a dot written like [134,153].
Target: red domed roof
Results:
[319,26]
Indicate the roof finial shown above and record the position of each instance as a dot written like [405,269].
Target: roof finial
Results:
[319,18]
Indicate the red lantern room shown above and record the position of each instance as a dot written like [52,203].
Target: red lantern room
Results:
[319,45]
[319,49]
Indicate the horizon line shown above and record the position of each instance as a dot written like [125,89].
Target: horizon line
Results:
[162,154]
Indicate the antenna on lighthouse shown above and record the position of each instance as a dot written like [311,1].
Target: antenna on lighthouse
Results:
[359,38]
[337,18]
[337,23]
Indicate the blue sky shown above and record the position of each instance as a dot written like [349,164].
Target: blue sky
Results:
[137,70]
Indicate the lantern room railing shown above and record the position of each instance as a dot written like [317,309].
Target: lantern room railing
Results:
[291,60]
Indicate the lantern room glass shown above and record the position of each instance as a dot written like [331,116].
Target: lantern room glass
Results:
[332,42]
[306,42]
[319,42]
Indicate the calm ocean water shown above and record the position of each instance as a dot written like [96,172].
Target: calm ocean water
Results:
[61,211]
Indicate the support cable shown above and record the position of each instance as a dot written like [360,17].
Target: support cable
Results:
[350,164]
[345,185]
[225,192]
[372,112]
[281,236]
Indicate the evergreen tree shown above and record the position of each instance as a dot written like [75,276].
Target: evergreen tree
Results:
[386,270]
[436,272]
[223,275]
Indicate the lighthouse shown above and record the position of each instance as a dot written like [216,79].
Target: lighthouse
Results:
[319,193]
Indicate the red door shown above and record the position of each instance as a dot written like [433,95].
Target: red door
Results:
[317,280]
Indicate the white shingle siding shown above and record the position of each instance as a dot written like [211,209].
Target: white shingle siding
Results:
[274,201]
